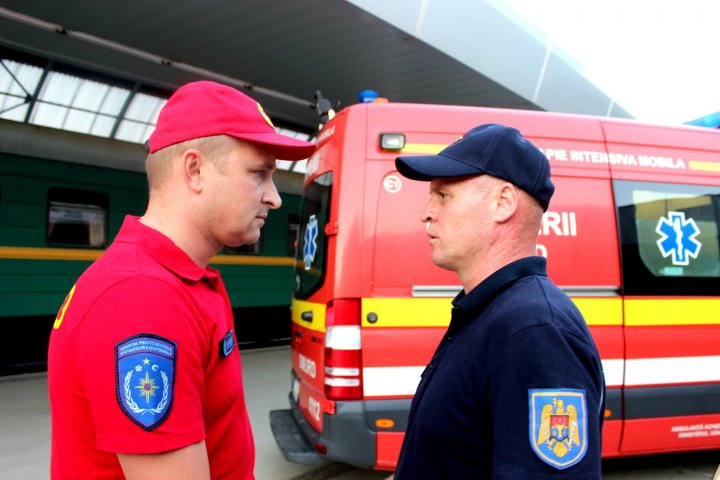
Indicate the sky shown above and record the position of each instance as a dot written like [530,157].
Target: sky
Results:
[658,59]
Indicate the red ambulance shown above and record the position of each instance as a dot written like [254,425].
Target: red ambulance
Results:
[631,235]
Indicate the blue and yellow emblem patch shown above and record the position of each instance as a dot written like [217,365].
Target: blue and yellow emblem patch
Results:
[145,376]
[558,426]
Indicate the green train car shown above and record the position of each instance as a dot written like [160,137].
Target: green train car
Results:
[63,198]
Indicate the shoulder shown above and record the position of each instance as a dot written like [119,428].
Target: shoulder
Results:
[534,311]
[124,260]
[103,300]
[129,271]
[533,301]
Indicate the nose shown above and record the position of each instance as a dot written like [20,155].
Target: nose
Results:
[428,215]
[271,196]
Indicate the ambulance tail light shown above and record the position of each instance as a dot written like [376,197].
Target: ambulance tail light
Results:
[343,367]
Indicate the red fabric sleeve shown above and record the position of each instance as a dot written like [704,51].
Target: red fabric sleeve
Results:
[136,306]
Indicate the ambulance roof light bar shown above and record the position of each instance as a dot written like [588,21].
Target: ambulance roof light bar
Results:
[370,96]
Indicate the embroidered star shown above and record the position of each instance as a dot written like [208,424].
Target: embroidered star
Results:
[147,387]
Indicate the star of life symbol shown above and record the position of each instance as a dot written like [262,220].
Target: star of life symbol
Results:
[310,247]
[677,238]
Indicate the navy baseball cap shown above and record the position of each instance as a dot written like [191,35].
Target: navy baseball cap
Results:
[489,149]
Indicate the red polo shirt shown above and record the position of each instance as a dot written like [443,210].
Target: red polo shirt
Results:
[143,359]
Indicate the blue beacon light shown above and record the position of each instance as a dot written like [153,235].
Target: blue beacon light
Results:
[367,96]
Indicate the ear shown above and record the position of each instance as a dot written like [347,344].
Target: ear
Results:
[192,164]
[506,202]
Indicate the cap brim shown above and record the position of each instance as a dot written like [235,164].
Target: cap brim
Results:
[425,168]
[284,147]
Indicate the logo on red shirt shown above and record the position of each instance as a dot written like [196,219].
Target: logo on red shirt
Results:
[145,375]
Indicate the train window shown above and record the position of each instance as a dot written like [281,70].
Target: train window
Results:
[669,235]
[293,228]
[252,249]
[77,218]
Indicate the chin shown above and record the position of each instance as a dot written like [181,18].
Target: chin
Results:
[444,264]
[243,239]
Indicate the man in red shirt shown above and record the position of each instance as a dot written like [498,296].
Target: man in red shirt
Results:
[144,372]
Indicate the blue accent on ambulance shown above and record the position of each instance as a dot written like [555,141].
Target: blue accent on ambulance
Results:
[678,238]
[310,247]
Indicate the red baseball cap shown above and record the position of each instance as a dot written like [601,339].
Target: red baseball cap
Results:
[203,109]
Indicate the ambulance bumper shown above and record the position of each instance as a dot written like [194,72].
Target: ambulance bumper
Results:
[355,440]
[290,439]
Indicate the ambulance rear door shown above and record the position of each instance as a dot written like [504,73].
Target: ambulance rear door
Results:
[668,207]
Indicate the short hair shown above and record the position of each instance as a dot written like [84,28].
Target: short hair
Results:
[159,164]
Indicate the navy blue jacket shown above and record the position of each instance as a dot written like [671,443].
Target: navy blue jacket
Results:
[515,389]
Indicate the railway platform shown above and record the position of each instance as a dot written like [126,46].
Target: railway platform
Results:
[25,432]
[25,423]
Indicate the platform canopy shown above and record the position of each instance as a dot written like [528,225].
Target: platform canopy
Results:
[463,52]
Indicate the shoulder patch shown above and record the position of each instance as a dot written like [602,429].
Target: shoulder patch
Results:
[145,377]
[558,425]
[227,344]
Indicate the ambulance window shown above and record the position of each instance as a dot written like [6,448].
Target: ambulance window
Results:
[311,253]
[77,218]
[669,236]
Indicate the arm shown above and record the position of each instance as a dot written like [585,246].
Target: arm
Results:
[541,358]
[189,462]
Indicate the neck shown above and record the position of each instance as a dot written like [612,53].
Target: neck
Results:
[183,234]
[493,260]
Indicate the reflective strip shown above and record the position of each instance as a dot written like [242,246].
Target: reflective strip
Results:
[600,310]
[672,311]
[613,370]
[672,370]
[343,337]
[597,310]
[391,381]
[425,148]
[435,312]
[342,372]
[342,382]
[397,381]
[407,312]
[704,166]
